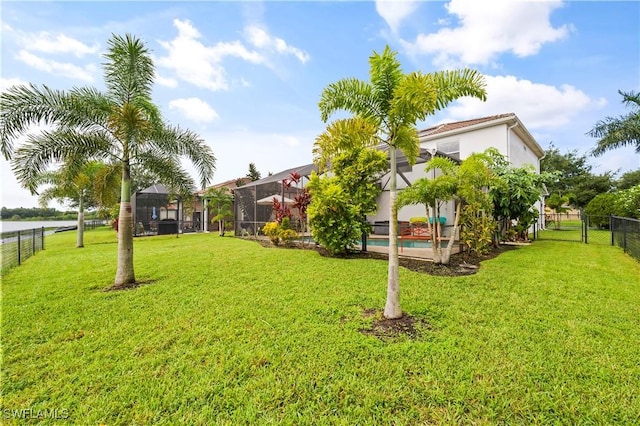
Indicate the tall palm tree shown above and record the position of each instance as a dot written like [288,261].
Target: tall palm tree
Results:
[119,125]
[393,102]
[619,131]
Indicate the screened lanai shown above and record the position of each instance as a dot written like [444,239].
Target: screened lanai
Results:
[254,200]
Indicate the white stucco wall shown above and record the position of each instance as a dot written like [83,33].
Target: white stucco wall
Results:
[520,154]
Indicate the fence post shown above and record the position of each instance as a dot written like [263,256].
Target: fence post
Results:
[42,237]
[19,244]
[624,235]
[586,229]
[613,242]
[33,241]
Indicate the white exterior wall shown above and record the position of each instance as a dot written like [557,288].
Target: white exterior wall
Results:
[520,154]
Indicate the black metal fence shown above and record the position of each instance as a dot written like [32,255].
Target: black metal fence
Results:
[17,246]
[625,233]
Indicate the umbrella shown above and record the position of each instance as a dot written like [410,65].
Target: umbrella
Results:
[267,201]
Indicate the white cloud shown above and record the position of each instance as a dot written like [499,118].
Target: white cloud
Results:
[6,83]
[484,32]
[394,12]
[198,64]
[202,65]
[50,43]
[68,70]
[195,109]
[166,81]
[539,106]
[261,39]
[55,44]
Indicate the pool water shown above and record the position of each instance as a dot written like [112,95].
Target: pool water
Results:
[383,242]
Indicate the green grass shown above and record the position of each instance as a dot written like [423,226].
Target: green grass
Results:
[228,332]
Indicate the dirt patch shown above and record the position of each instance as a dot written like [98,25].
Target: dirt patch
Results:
[459,265]
[383,328]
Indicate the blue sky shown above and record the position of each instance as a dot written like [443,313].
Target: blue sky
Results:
[247,76]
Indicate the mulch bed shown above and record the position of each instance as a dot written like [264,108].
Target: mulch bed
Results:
[459,264]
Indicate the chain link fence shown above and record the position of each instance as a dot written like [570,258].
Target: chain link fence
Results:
[17,246]
[625,233]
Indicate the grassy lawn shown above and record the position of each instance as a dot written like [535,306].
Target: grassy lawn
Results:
[228,332]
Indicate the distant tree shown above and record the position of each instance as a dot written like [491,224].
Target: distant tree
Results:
[574,177]
[92,185]
[253,173]
[385,110]
[628,180]
[558,204]
[617,132]
[121,125]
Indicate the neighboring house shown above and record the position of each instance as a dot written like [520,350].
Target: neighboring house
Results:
[459,140]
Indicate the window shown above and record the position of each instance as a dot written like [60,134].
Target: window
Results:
[451,148]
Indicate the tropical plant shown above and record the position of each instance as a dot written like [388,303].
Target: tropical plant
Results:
[340,203]
[617,132]
[433,193]
[385,112]
[280,233]
[120,125]
[219,202]
[514,194]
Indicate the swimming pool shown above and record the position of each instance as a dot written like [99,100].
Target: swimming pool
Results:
[384,242]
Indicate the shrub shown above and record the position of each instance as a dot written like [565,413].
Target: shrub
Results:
[280,233]
[600,208]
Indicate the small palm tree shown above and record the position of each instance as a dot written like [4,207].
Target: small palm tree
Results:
[121,125]
[385,112]
[91,186]
[620,131]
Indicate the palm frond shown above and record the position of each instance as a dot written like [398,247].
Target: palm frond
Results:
[385,73]
[406,139]
[172,140]
[343,135]
[617,132]
[414,98]
[349,94]
[168,170]
[453,84]
[129,69]
[42,150]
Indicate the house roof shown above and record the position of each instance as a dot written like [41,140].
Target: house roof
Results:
[230,184]
[156,188]
[304,170]
[449,129]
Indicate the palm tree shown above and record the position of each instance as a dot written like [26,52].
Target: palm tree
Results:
[93,185]
[392,103]
[120,125]
[620,131]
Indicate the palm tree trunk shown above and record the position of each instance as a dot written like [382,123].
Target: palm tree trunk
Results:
[392,308]
[124,272]
[80,232]
[446,256]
